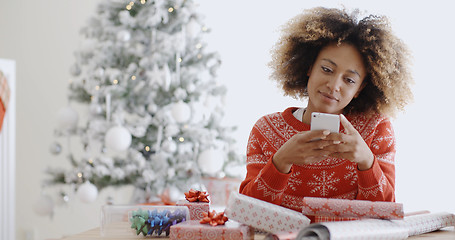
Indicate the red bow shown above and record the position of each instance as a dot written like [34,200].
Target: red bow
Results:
[197,196]
[213,218]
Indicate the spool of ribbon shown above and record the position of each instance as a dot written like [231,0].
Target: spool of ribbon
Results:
[197,196]
[213,218]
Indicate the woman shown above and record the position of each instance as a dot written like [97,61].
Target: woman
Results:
[341,65]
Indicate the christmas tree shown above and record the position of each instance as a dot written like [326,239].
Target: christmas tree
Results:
[153,104]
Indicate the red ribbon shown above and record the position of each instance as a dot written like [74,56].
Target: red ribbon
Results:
[213,218]
[196,196]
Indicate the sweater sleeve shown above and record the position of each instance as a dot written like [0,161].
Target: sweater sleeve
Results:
[263,181]
[378,182]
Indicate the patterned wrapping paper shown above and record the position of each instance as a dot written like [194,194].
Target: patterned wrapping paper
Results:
[359,229]
[330,207]
[193,230]
[196,208]
[379,228]
[263,215]
[423,223]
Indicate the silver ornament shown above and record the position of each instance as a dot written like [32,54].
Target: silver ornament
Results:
[75,70]
[55,148]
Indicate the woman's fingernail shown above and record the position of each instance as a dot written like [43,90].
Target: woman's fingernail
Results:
[336,142]
[326,132]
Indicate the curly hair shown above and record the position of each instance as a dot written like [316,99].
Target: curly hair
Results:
[387,89]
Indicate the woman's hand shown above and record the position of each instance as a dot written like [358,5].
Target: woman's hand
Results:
[350,146]
[302,148]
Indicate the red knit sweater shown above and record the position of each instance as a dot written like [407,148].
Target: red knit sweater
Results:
[329,178]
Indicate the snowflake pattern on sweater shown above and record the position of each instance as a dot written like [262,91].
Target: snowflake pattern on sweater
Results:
[331,177]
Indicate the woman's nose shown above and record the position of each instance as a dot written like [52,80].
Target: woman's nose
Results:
[334,84]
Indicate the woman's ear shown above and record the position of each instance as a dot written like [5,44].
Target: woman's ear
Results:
[309,70]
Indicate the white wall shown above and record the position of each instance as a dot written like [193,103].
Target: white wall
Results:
[42,35]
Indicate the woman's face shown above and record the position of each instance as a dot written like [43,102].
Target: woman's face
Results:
[335,78]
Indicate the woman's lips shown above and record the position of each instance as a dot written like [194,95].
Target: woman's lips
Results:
[329,96]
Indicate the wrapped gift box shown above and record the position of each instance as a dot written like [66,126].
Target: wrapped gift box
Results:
[196,208]
[193,230]
[343,208]
[263,215]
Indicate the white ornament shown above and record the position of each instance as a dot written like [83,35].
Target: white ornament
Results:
[99,72]
[123,36]
[67,118]
[211,161]
[192,29]
[118,138]
[87,192]
[190,88]
[44,206]
[166,77]
[181,112]
[169,146]
[152,108]
[95,109]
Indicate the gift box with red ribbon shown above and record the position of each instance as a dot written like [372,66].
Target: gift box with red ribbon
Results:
[196,208]
[263,215]
[194,230]
[344,208]
[197,202]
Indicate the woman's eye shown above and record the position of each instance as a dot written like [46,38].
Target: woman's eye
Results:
[326,69]
[350,80]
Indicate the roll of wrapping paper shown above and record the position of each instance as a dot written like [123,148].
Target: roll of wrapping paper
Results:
[428,222]
[378,228]
[330,207]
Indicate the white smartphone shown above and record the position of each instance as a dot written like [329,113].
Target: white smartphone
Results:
[325,121]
